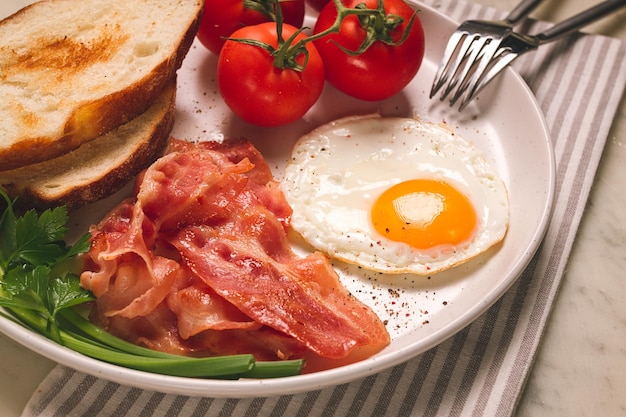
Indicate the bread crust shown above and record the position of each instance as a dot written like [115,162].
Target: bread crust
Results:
[31,184]
[93,118]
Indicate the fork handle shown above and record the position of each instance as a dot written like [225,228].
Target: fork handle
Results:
[521,11]
[580,20]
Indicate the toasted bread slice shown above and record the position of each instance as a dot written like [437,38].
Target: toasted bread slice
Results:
[72,70]
[97,168]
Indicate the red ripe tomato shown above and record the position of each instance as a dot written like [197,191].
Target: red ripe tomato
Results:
[318,4]
[383,69]
[221,18]
[259,92]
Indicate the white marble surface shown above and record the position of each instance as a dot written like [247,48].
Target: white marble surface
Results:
[580,368]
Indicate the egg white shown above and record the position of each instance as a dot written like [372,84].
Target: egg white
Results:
[337,171]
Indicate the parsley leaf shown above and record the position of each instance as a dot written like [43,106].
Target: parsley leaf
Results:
[31,247]
[25,287]
[64,292]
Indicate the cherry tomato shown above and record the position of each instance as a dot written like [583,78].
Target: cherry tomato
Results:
[222,17]
[383,69]
[258,91]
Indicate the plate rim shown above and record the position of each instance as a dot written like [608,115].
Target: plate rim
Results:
[307,382]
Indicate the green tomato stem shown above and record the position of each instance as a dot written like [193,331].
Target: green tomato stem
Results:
[376,23]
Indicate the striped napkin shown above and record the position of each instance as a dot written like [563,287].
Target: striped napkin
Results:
[578,82]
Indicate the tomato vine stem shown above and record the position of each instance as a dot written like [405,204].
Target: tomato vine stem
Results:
[376,23]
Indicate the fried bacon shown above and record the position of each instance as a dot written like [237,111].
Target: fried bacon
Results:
[199,263]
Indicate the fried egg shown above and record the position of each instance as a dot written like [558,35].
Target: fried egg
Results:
[394,195]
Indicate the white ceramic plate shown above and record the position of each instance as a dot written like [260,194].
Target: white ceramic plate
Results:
[504,122]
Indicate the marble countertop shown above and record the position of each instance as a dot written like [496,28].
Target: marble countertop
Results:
[579,369]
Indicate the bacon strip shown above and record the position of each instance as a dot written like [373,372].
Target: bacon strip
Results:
[200,262]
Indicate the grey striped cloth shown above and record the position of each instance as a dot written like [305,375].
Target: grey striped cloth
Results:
[480,371]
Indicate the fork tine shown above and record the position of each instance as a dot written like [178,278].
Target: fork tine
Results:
[470,49]
[457,47]
[500,61]
[511,47]
[473,73]
[476,55]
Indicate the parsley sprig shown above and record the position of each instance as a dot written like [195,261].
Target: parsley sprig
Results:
[31,246]
[39,289]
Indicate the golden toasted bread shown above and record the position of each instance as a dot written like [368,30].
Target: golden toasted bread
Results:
[97,168]
[72,70]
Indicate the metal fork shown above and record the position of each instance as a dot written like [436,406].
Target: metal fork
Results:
[474,41]
[482,68]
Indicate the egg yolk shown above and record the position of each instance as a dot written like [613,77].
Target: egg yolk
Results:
[424,213]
